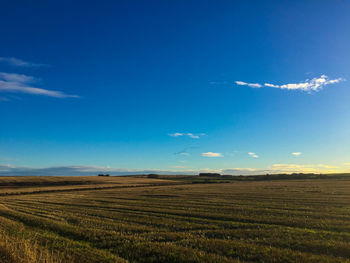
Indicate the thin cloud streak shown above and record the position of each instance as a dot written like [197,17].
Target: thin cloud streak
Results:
[182,153]
[19,62]
[252,85]
[189,134]
[19,83]
[185,152]
[309,85]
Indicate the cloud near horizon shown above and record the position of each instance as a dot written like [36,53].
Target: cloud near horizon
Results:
[20,63]
[304,168]
[211,154]
[254,155]
[20,83]
[296,153]
[315,84]
[81,170]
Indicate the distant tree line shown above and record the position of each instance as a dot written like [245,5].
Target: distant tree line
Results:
[210,174]
[153,176]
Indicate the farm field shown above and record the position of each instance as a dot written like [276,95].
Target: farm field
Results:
[133,219]
[41,184]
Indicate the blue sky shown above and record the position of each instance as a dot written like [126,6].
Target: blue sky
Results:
[175,86]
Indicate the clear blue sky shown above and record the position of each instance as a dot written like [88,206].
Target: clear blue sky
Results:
[146,85]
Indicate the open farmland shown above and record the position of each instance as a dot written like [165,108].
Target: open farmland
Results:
[130,219]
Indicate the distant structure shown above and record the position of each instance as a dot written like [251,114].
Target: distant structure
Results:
[210,174]
[103,175]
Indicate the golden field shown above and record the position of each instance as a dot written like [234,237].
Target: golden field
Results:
[139,219]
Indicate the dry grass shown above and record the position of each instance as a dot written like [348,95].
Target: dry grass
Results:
[20,250]
[271,221]
[32,184]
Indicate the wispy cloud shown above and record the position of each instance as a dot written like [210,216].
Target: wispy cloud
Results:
[315,84]
[254,155]
[19,83]
[189,134]
[183,153]
[4,99]
[218,82]
[252,85]
[311,168]
[296,153]
[211,154]
[19,62]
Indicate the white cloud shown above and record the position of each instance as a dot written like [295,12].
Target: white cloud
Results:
[271,85]
[308,85]
[314,84]
[296,153]
[19,83]
[19,62]
[252,85]
[189,134]
[211,154]
[254,155]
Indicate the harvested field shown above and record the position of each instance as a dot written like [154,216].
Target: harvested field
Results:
[176,221]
